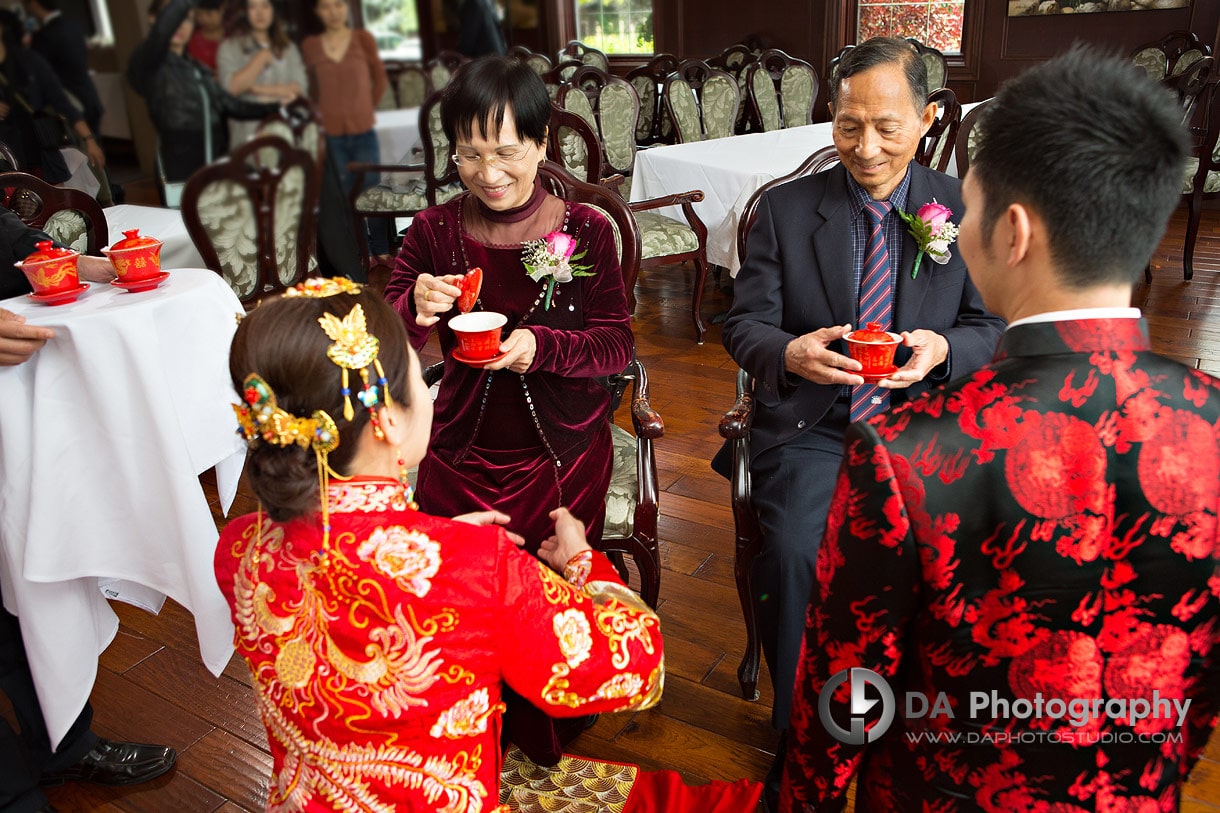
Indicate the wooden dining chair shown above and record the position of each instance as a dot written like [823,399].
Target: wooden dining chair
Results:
[936,147]
[1202,181]
[934,62]
[404,190]
[412,85]
[585,54]
[735,428]
[1170,55]
[440,68]
[654,125]
[781,91]
[966,141]
[69,216]
[610,106]
[558,76]
[702,101]
[541,63]
[254,220]
[632,499]
[571,143]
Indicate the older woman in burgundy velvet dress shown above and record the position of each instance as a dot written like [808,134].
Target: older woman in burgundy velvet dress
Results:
[527,431]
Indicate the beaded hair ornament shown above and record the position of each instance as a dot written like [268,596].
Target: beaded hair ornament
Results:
[262,420]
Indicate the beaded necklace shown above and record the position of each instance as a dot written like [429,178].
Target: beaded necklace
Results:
[529,398]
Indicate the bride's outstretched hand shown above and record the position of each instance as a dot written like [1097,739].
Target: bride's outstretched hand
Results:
[567,541]
[491,518]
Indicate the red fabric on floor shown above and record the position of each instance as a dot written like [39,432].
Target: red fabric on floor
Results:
[664,792]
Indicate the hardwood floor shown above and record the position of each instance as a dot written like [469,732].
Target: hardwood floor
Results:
[151,685]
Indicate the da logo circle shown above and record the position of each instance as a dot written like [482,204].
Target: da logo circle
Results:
[860,679]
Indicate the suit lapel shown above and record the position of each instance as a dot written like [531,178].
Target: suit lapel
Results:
[909,293]
[832,246]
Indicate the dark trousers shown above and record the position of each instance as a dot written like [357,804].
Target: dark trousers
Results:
[791,488]
[27,755]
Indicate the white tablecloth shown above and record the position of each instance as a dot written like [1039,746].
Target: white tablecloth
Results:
[397,134]
[177,250]
[729,171]
[102,436]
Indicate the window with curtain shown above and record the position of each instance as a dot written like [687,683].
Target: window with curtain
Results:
[615,26]
[937,24]
[394,25]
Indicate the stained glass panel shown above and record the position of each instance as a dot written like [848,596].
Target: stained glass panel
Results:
[936,23]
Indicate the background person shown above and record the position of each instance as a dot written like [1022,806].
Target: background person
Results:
[259,63]
[802,288]
[29,86]
[395,700]
[346,79]
[1047,525]
[183,97]
[61,42]
[209,32]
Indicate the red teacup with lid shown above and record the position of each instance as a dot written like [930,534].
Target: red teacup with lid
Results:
[51,269]
[134,257]
[873,347]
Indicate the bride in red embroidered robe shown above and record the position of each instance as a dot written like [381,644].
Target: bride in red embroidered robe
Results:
[378,636]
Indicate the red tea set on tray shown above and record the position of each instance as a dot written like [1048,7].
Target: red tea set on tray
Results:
[52,272]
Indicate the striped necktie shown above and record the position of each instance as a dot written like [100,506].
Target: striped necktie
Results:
[876,305]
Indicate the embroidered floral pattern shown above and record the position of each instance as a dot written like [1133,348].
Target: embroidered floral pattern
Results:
[572,632]
[466,717]
[408,557]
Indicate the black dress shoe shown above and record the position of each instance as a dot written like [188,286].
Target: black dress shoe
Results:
[116,763]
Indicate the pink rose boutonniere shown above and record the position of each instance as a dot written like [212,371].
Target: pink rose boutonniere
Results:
[554,256]
[933,232]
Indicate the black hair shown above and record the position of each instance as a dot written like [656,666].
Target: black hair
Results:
[282,341]
[884,51]
[482,89]
[1097,149]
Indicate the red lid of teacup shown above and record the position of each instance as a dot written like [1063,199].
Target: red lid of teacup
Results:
[132,239]
[45,250]
[871,333]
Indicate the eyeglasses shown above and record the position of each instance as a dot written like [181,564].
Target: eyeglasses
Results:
[508,155]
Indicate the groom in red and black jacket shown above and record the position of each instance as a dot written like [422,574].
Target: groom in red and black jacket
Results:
[1018,597]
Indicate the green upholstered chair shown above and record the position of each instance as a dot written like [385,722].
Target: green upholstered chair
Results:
[934,62]
[936,148]
[966,141]
[781,91]
[253,220]
[405,189]
[558,76]
[610,106]
[734,60]
[412,85]
[1171,55]
[1202,177]
[71,217]
[735,428]
[702,101]
[575,49]
[571,143]
[541,63]
[440,68]
[654,126]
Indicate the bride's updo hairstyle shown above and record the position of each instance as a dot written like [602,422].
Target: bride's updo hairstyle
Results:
[283,342]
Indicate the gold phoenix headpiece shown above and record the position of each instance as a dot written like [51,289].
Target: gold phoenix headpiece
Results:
[353,348]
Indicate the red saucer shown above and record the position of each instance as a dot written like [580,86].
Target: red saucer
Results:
[60,297]
[884,372]
[137,285]
[458,356]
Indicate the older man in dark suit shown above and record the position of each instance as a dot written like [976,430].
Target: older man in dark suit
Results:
[1024,562]
[826,253]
